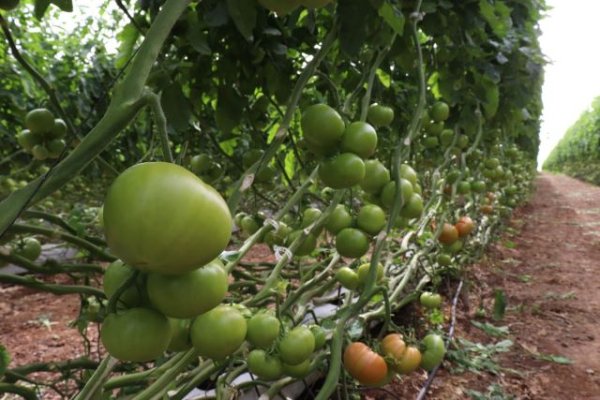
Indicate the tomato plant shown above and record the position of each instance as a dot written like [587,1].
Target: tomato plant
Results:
[364,365]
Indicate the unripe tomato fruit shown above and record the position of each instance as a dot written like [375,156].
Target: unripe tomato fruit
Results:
[322,126]
[359,138]
[319,335]
[39,121]
[263,330]
[444,259]
[363,273]
[249,225]
[351,242]
[347,278]
[371,219]
[117,274]
[190,294]
[156,214]
[435,129]
[379,115]
[389,192]
[27,140]
[137,334]
[264,366]
[180,335]
[408,173]
[339,219]
[298,371]
[464,226]
[30,249]
[430,300]
[448,235]
[413,208]
[309,216]
[342,171]
[59,130]
[296,346]
[376,177]
[200,163]
[434,351]
[219,332]
[306,247]
[440,111]
[55,147]
[40,152]
[364,365]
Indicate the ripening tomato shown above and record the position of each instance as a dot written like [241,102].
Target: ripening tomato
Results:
[409,362]
[448,235]
[430,300]
[364,365]
[376,177]
[351,242]
[393,346]
[359,138]
[371,219]
[342,171]
[219,332]
[156,214]
[464,226]
[321,125]
[487,209]
[296,346]
[190,294]
[339,219]
[264,366]
[263,330]
[379,115]
[434,351]
[136,334]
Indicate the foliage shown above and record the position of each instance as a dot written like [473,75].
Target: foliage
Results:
[578,152]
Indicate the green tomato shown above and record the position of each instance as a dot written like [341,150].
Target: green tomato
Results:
[339,219]
[30,249]
[55,147]
[376,177]
[446,137]
[27,140]
[322,126]
[444,259]
[116,274]
[298,371]
[264,366]
[430,300]
[434,351]
[379,115]
[40,152]
[219,332]
[363,273]
[39,121]
[306,247]
[347,278]
[200,163]
[431,142]
[478,186]
[296,346]
[309,216]
[180,335]
[408,173]
[440,111]
[263,330]
[371,219]
[320,336]
[190,294]
[359,138]
[59,129]
[157,213]
[315,3]
[249,225]
[351,242]
[413,208]
[435,129]
[342,171]
[137,334]
[388,193]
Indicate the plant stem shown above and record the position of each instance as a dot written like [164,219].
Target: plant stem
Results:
[96,381]
[50,287]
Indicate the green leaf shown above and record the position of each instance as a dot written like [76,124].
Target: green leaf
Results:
[490,329]
[229,109]
[499,304]
[128,37]
[290,164]
[4,360]
[40,8]
[393,16]
[555,359]
[497,15]
[196,37]
[243,13]
[384,78]
[64,5]
[353,30]
[176,107]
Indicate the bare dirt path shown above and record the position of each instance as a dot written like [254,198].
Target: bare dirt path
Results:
[548,265]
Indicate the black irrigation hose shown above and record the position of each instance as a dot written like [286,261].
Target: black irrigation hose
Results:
[423,392]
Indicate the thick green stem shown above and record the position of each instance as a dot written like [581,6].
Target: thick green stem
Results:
[96,381]
[161,123]
[50,287]
[24,392]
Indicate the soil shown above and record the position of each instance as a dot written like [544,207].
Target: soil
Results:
[546,264]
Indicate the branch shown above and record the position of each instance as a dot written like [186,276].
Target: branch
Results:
[50,287]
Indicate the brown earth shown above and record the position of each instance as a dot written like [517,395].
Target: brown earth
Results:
[546,264]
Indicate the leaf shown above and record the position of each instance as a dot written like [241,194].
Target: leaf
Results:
[176,107]
[499,305]
[492,97]
[64,5]
[128,37]
[196,37]
[290,164]
[497,15]
[229,109]
[555,359]
[393,16]
[384,78]
[490,329]
[4,360]
[353,30]
[243,13]
[40,8]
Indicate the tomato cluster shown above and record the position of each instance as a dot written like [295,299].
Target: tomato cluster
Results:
[44,135]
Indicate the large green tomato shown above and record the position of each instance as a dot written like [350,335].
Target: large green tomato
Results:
[39,121]
[371,219]
[296,346]
[339,219]
[407,172]
[190,294]
[440,111]
[380,115]
[180,335]
[376,177]
[434,351]
[413,208]
[342,171]
[264,366]
[160,217]
[27,140]
[359,138]
[219,332]
[116,275]
[351,242]
[137,334]
[263,330]
[59,130]
[322,126]
[388,193]
[306,247]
